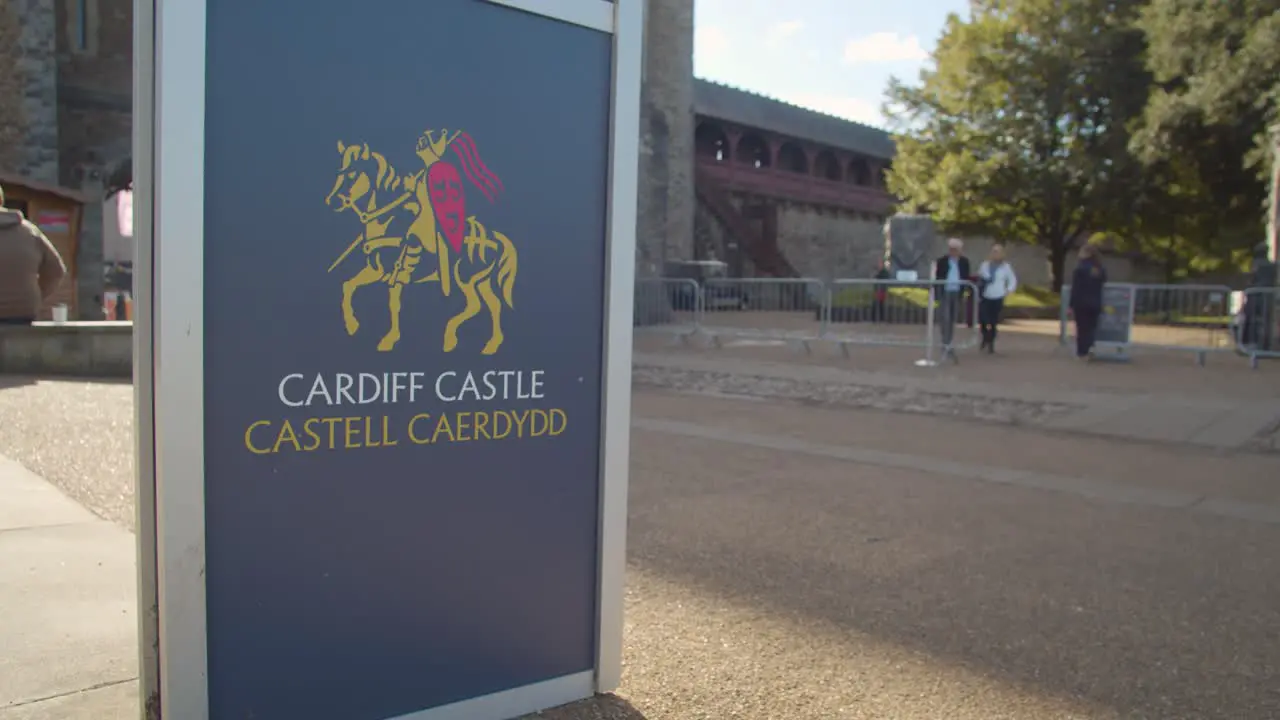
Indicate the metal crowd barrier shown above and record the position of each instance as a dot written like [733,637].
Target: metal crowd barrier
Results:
[899,313]
[1199,319]
[1186,318]
[806,310]
[671,306]
[1257,326]
[1176,318]
[763,309]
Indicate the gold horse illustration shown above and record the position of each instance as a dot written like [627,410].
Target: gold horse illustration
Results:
[430,200]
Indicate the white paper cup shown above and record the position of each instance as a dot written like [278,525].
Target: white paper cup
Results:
[59,314]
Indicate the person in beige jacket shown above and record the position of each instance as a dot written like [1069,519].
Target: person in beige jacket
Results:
[30,268]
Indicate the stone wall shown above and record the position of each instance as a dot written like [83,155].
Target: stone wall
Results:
[89,349]
[1032,263]
[818,242]
[826,244]
[666,198]
[95,86]
[28,87]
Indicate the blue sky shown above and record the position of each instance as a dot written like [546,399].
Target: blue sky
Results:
[835,56]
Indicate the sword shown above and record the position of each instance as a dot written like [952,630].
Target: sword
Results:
[366,219]
[346,252]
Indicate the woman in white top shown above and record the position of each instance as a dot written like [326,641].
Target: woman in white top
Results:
[997,281]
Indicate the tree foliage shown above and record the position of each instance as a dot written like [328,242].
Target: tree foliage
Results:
[1216,67]
[1020,129]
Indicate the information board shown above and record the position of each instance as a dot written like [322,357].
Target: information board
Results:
[1115,324]
[385,332]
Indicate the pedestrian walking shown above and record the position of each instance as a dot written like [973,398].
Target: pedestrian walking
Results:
[1087,283]
[996,281]
[30,268]
[952,270]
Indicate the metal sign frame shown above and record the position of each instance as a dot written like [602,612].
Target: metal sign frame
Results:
[169,128]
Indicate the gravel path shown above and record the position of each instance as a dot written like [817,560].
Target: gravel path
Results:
[77,435]
[895,399]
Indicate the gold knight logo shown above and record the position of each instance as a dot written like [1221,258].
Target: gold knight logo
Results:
[403,217]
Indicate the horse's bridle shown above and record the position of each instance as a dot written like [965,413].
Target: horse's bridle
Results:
[365,218]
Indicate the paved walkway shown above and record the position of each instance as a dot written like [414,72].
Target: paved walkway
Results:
[68,593]
[790,561]
[1211,421]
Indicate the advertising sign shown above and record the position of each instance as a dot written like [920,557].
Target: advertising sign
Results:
[54,222]
[385,318]
[1115,324]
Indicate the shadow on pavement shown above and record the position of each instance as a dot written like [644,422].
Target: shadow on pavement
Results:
[12,381]
[1154,613]
[600,707]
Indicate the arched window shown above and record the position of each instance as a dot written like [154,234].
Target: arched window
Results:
[827,167]
[792,159]
[754,151]
[710,141]
[859,172]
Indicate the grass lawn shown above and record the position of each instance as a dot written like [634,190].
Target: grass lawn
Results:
[861,296]
[1179,319]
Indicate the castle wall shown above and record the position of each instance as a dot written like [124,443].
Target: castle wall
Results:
[28,90]
[95,86]
[824,243]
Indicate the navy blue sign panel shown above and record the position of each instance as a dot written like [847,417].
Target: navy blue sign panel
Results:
[1115,324]
[405,213]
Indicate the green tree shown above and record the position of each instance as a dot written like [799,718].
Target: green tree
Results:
[1021,127]
[1217,73]
[1173,218]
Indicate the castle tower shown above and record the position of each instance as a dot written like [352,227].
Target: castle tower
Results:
[666,202]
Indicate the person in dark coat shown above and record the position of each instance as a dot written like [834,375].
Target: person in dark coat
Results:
[881,293]
[951,271]
[1086,298]
[1258,305]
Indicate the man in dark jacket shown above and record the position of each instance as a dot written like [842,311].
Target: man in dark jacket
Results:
[1259,305]
[1086,298]
[952,271]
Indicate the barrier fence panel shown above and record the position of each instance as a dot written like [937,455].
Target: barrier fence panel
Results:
[1257,325]
[1194,318]
[774,309]
[1176,318]
[898,313]
[668,306]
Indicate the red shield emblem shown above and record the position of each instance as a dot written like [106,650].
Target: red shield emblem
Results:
[444,185]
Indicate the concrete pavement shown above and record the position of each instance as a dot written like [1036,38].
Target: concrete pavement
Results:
[810,563]
[67,588]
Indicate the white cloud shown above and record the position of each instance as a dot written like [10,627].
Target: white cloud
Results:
[884,47]
[710,42]
[843,106]
[780,33]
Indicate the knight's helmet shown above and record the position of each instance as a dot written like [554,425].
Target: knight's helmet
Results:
[432,145]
